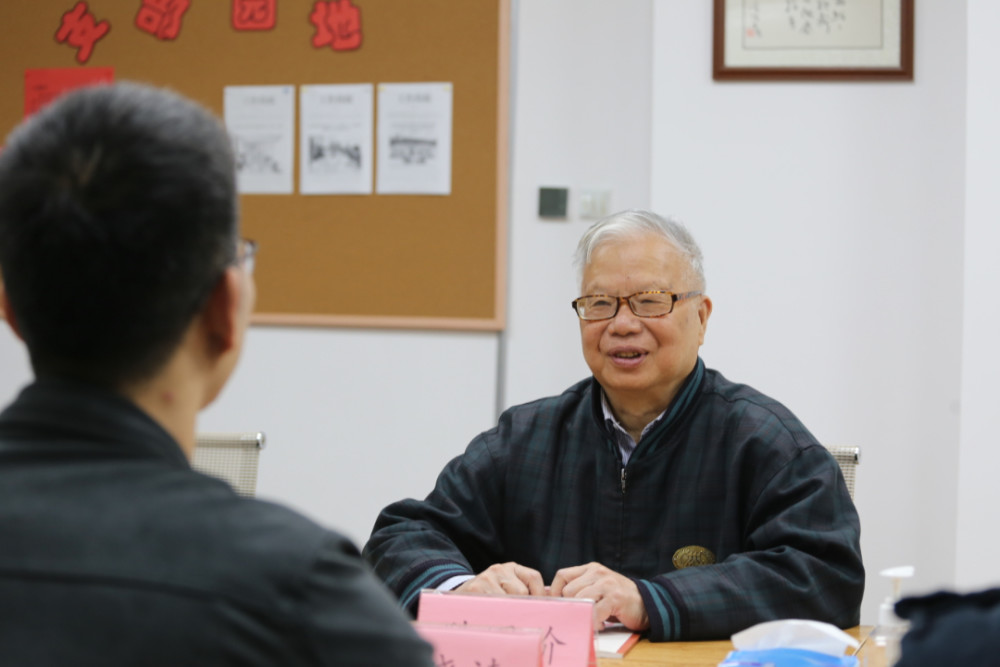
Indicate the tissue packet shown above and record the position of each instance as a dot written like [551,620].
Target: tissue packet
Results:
[795,633]
[786,657]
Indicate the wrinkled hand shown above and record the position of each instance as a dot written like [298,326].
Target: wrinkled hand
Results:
[615,597]
[506,578]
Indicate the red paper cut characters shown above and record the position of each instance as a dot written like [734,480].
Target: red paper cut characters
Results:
[80,29]
[254,14]
[161,18]
[338,24]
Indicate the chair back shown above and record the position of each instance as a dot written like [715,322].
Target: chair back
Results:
[232,457]
[848,458]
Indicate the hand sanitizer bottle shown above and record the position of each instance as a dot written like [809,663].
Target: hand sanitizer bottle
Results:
[891,628]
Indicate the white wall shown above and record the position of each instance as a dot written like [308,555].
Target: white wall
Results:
[356,419]
[14,369]
[830,215]
[978,545]
[581,119]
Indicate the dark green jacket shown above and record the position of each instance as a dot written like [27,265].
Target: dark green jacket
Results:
[113,551]
[727,469]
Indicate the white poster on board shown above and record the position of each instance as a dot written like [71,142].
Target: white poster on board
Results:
[414,138]
[261,122]
[335,139]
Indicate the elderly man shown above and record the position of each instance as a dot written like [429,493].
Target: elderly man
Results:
[682,503]
[124,274]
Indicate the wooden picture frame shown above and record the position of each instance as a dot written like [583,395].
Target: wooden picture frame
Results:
[831,40]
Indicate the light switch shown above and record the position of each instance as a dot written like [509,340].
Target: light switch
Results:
[594,203]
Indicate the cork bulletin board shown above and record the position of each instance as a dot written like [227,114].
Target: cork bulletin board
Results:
[365,260]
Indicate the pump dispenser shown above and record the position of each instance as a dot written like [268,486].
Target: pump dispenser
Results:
[891,628]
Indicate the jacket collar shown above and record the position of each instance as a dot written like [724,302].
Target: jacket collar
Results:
[678,407]
[61,417]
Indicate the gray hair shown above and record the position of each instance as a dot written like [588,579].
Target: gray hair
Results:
[634,222]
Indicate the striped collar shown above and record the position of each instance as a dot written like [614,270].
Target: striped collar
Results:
[684,397]
[626,445]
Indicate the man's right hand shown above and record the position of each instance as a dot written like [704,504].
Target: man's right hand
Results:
[506,578]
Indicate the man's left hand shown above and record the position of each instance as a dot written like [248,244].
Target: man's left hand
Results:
[615,597]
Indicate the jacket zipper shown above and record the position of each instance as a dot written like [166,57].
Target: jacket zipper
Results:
[623,480]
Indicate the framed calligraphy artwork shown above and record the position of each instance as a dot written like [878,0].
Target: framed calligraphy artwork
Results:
[813,40]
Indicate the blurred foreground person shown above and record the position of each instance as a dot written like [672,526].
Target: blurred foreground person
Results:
[124,273]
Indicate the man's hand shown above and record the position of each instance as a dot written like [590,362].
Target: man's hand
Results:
[506,578]
[615,597]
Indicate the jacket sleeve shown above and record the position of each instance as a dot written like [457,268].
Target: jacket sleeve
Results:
[349,618]
[801,558]
[454,531]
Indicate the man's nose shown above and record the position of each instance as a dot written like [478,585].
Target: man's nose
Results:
[625,319]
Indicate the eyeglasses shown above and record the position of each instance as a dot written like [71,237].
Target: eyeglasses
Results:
[246,255]
[643,304]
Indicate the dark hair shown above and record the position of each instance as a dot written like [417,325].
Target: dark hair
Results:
[118,215]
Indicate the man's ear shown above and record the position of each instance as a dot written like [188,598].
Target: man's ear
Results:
[8,312]
[704,312]
[220,315]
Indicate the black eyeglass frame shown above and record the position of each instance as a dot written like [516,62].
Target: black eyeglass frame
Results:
[249,254]
[674,298]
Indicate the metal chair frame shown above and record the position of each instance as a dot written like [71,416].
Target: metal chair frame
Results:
[848,458]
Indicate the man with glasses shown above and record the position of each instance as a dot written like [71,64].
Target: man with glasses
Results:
[123,272]
[683,504]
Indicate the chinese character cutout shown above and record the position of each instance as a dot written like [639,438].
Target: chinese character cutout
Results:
[81,30]
[254,14]
[161,18]
[338,24]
